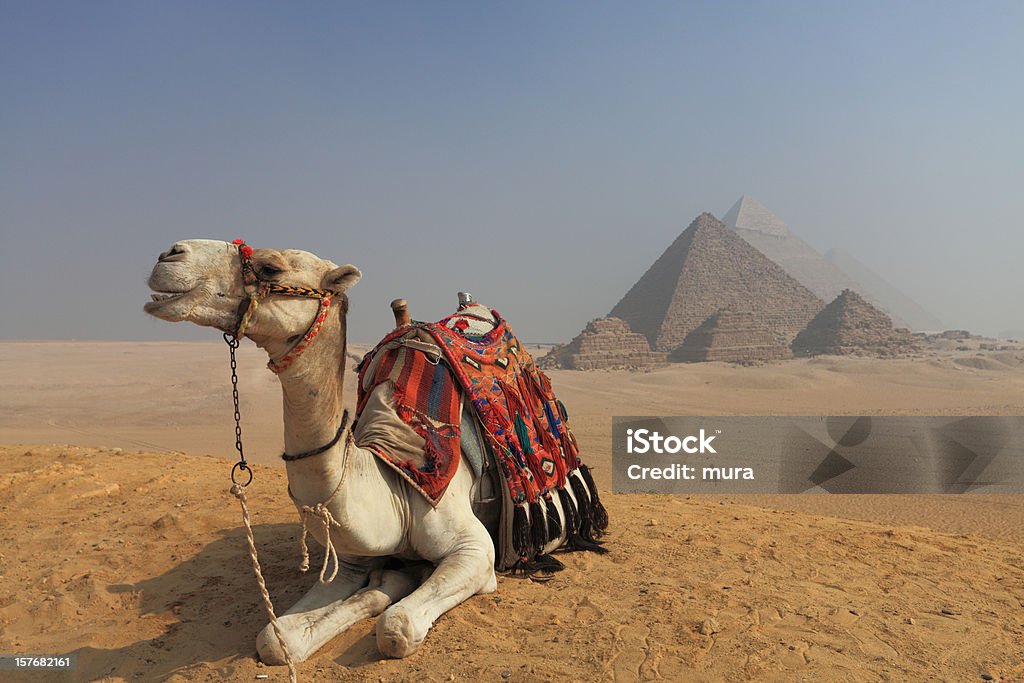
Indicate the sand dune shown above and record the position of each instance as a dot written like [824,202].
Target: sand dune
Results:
[133,557]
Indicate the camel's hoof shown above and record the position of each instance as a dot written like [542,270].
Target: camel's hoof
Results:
[396,635]
[269,648]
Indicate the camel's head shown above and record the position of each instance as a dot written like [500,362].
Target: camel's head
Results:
[202,281]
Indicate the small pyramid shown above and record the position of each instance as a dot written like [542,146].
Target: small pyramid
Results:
[732,337]
[706,269]
[749,214]
[605,343]
[851,326]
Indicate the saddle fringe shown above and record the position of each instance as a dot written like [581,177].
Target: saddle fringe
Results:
[535,525]
[545,565]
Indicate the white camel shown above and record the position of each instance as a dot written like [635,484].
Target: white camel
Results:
[378,515]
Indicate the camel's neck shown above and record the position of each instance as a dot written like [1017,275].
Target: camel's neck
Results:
[312,388]
[312,407]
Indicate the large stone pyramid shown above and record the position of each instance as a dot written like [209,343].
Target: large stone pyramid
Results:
[731,336]
[706,269]
[827,276]
[605,343]
[851,325]
[772,237]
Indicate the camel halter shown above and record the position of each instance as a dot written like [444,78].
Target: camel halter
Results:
[261,290]
[258,290]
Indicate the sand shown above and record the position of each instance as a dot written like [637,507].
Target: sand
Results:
[119,547]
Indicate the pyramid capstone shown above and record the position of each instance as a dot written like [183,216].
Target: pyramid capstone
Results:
[749,214]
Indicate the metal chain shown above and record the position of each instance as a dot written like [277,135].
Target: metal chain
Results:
[241,465]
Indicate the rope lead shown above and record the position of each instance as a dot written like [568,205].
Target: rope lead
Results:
[239,492]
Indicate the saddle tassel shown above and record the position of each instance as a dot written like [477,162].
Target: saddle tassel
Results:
[554,522]
[538,529]
[524,435]
[572,524]
[521,531]
[600,514]
[583,507]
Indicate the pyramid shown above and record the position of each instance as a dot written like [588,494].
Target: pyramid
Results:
[706,269]
[852,326]
[605,343]
[904,311]
[731,336]
[772,237]
[749,214]
[827,276]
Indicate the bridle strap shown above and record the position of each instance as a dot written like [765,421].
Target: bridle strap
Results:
[243,323]
[326,447]
[285,362]
[263,289]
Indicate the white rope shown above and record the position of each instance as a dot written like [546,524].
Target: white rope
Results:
[322,512]
[239,493]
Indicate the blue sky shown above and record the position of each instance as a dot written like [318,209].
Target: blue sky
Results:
[541,155]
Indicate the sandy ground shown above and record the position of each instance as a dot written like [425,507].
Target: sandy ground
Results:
[117,546]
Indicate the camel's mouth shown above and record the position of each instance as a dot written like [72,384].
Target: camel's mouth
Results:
[166,297]
[161,298]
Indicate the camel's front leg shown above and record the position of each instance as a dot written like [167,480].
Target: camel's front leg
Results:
[467,570]
[328,609]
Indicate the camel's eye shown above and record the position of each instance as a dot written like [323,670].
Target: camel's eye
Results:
[269,272]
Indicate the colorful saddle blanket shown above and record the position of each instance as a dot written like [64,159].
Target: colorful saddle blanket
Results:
[428,367]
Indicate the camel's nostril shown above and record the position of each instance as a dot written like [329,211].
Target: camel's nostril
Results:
[175,253]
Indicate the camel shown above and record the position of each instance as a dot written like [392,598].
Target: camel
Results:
[376,514]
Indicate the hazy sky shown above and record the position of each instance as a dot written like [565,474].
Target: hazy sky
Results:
[539,154]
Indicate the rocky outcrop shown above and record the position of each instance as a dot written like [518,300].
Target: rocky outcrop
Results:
[606,343]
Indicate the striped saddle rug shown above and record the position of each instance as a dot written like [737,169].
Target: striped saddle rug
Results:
[422,372]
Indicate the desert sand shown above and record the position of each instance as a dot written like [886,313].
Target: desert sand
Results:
[118,543]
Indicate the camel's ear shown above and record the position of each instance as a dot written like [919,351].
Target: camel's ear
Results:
[341,278]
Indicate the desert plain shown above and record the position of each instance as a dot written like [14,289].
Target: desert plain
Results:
[120,543]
